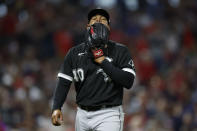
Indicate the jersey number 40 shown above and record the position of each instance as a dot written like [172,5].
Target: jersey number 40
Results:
[78,74]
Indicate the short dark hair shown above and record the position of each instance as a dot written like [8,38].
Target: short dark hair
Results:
[98,11]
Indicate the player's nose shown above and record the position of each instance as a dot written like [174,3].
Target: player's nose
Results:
[98,19]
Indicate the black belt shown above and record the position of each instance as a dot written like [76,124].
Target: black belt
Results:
[95,108]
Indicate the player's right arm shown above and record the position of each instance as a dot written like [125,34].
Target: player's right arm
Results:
[60,94]
[65,78]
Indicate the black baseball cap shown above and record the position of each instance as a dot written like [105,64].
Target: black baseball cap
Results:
[98,11]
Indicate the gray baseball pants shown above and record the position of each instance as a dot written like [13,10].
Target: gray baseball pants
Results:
[107,119]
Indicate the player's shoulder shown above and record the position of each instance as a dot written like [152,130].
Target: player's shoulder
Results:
[78,48]
[118,46]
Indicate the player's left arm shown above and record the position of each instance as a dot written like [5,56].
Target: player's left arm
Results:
[124,74]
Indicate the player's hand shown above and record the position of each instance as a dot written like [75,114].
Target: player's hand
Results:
[98,55]
[99,60]
[57,117]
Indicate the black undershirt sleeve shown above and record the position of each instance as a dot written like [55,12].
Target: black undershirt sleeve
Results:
[121,77]
[60,93]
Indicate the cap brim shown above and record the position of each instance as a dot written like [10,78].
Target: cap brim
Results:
[98,12]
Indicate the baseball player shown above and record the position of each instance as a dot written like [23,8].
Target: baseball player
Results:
[100,69]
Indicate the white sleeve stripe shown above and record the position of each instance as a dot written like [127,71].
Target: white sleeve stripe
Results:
[65,76]
[129,70]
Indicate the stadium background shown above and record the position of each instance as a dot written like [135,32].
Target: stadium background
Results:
[161,35]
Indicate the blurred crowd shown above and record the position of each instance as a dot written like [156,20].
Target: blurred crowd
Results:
[161,35]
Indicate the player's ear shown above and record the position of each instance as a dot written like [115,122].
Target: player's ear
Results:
[108,27]
[88,25]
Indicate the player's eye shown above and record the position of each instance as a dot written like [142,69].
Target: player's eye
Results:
[103,18]
[104,21]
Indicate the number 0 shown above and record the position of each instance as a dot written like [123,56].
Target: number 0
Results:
[80,73]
